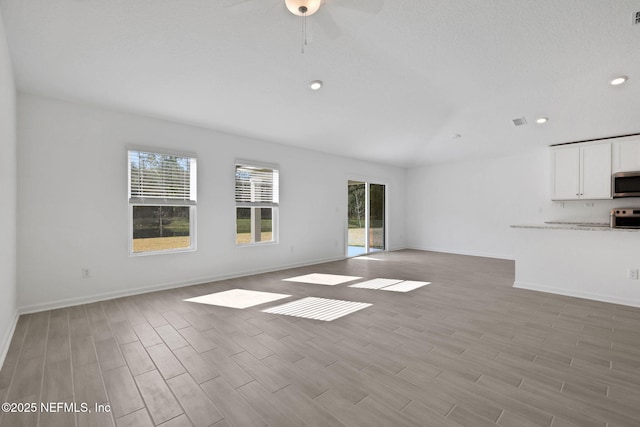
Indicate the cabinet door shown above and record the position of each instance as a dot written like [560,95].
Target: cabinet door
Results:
[565,164]
[595,165]
[626,155]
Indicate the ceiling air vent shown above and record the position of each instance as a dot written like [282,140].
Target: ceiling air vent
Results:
[520,121]
[636,18]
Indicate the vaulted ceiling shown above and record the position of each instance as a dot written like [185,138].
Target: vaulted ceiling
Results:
[406,82]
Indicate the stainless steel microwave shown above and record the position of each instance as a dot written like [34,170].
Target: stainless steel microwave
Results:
[626,184]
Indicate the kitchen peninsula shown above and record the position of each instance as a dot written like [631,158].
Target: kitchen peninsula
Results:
[585,260]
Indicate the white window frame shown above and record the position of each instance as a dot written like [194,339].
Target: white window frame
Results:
[190,201]
[273,204]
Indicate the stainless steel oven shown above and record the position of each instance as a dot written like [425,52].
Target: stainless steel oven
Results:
[625,218]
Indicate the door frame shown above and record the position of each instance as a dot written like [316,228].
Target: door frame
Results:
[367,181]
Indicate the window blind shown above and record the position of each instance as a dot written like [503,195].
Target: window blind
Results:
[161,178]
[256,186]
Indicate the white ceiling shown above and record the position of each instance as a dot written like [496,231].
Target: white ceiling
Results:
[401,78]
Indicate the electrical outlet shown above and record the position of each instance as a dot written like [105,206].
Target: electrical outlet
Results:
[85,273]
[632,274]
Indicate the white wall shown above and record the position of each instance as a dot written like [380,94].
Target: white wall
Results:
[8,185]
[467,207]
[72,203]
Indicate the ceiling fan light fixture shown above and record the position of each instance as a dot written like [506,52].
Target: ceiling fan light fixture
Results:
[303,7]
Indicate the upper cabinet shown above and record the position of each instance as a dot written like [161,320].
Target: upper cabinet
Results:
[565,173]
[581,171]
[626,154]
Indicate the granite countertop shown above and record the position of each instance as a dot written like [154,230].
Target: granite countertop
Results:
[565,225]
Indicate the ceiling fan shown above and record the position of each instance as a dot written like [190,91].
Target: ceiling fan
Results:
[306,8]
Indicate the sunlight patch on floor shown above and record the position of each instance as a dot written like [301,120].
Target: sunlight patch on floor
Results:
[375,283]
[394,285]
[318,308]
[323,279]
[406,286]
[238,298]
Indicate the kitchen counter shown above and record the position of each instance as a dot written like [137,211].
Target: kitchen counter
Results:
[588,226]
[585,260]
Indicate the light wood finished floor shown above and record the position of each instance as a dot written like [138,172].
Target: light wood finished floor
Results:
[466,350]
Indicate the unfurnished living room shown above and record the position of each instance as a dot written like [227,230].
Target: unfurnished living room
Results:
[319,213]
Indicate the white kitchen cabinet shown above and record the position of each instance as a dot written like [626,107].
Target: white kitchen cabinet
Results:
[565,172]
[626,154]
[581,171]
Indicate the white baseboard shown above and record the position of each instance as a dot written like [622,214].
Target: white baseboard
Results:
[462,252]
[5,341]
[576,294]
[34,308]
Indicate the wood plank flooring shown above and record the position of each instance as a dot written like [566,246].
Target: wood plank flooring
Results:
[466,350]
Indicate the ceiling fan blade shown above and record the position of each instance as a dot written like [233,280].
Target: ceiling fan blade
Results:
[328,24]
[232,3]
[367,6]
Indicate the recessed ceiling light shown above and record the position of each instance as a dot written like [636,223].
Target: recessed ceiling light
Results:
[542,120]
[315,85]
[618,80]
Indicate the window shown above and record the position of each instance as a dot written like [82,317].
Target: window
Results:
[162,202]
[257,197]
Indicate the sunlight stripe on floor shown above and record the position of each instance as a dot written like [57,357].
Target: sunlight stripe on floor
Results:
[318,308]
[375,283]
[406,286]
[322,279]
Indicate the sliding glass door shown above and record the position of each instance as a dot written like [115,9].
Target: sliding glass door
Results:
[376,217]
[366,218]
[356,241]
